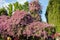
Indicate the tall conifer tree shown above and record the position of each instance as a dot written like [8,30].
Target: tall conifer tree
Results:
[53,13]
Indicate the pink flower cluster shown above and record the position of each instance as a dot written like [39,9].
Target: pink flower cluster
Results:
[36,29]
[11,25]
[34,6]
[3,20]
[22,23]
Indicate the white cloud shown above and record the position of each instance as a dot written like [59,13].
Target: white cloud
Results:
[0,0]
[21,1]
[3,3]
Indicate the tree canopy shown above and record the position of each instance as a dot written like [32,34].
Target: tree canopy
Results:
[53,13]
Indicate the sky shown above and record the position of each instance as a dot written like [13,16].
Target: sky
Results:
[43,3]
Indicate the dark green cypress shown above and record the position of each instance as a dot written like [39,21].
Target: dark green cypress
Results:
[53,13]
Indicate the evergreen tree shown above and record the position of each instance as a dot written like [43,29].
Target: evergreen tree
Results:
[53,13]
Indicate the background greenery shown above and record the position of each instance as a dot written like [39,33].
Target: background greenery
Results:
[53,13]
[13,7]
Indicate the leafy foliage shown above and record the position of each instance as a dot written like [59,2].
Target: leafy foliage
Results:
[16,6]
[3,11]
[37,29]
[22,25]
[21,7]
[26,6]
[52,13]
[10,9]
[13,7]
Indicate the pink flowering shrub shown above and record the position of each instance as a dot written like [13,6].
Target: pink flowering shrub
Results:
[34,6]
[36,29]
[3,19]
[35,9]
[12,25]
[24,26]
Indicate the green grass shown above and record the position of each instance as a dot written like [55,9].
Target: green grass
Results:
[1,39]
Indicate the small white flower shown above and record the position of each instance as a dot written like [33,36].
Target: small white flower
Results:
[57,38]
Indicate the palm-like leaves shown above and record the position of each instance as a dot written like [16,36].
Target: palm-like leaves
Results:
[10,9]
[3,11]
[16,6]
[25,6]
[21,7]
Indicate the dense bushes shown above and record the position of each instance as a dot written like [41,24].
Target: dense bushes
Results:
[3,11]
[25,26]
[22,24]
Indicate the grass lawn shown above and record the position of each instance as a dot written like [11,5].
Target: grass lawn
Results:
[1,39]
